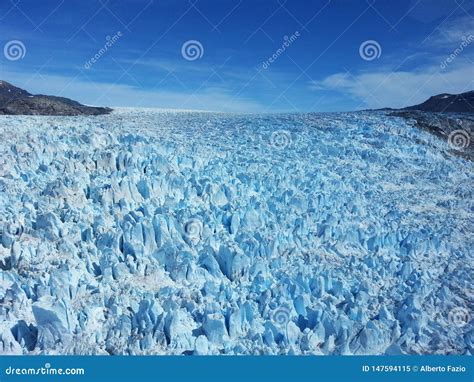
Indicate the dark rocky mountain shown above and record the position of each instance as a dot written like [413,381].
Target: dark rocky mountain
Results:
[444,115]
[16,101]
[449,103]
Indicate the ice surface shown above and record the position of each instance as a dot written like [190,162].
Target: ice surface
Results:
[146,232]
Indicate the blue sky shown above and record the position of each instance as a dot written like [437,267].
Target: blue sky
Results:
[321,67]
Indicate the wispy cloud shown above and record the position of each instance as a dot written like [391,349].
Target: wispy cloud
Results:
[399,88]
[111,94]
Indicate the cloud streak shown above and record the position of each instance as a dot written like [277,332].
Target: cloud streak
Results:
[387,87]
[399,88]
[111,94]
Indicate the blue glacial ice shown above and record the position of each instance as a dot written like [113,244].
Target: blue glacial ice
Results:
[149,232]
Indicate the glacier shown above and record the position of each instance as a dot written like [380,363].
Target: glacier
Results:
[196,233]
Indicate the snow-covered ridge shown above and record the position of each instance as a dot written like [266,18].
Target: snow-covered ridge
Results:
[195,233]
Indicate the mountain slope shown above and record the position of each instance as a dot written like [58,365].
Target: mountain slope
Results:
[455,103]
[16,101]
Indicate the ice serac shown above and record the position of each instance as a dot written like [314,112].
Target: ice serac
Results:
[148,232]
[53,321]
